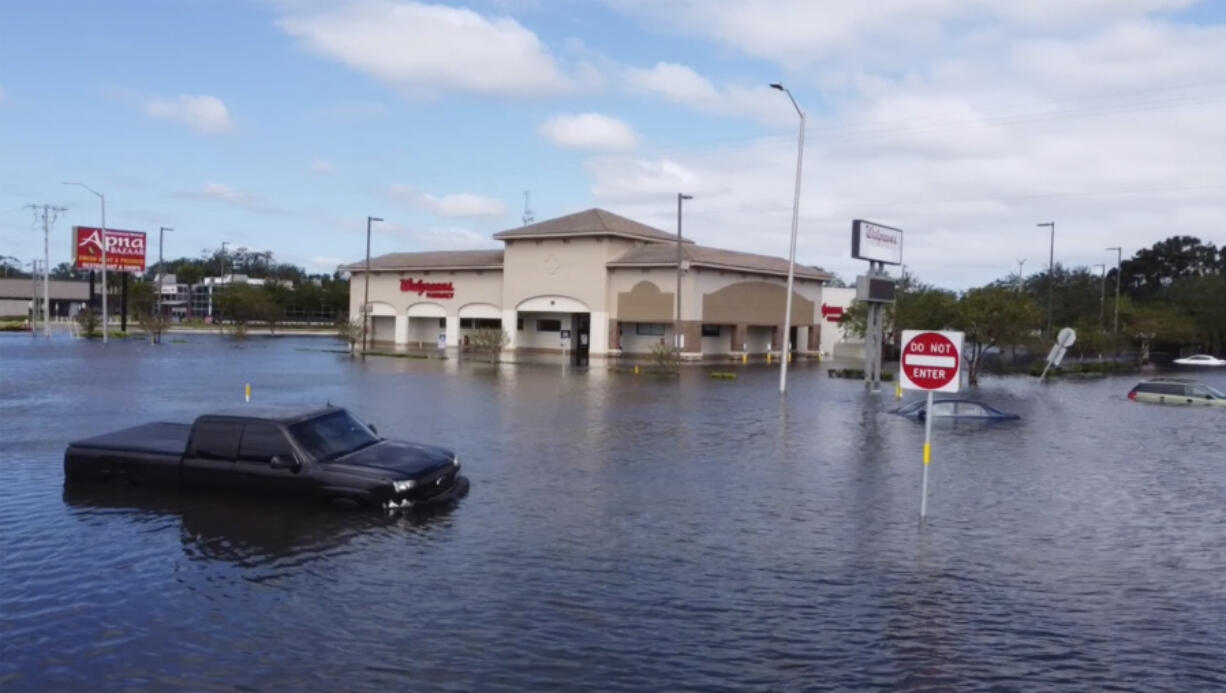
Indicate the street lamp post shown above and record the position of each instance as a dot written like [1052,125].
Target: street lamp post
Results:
[1019,274]
[161,268]
[366,288]
[102,200]
[677,320]
[1119,257]
[787,314]
[1102,296]
[1051,271]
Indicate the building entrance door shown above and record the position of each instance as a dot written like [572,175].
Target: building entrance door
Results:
[581,326]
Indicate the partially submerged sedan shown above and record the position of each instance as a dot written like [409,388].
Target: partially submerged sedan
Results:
[954,409]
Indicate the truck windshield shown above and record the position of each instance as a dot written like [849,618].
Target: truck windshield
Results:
[329,436]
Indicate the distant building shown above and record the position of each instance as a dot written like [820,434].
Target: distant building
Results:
[200,300]
[67,297]
[600,284]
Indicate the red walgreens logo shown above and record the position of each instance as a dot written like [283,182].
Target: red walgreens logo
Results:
[428,289]
[832,313]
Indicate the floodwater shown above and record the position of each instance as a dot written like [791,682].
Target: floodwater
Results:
[622,533]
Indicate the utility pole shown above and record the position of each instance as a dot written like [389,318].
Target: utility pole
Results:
[528,218]
[1102,296]
[1051,271]
[1119,257]
[1019,274]
[677,320]
[161,274]
[366,288]
[33,298]
[49,214]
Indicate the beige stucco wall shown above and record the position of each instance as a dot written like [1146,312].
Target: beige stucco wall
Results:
[627,280]
[708,281]
[471,286]
[574,267]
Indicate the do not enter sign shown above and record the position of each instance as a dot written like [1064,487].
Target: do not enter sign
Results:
[931,361]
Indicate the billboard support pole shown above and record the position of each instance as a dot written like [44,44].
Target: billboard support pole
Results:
[123,302]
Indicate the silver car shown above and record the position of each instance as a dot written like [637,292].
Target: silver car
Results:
[1177,391]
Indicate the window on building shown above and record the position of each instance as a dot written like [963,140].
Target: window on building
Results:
[216,440]
[487,323]
[548,325]
[261,442]
[710,330]
[649,329]
[519,324]
[442,322]
[466,323]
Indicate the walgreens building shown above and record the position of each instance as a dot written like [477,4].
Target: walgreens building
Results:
[593,284]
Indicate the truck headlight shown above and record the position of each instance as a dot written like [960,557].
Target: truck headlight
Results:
[402,486]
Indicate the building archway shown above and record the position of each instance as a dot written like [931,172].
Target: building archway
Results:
[426,321]
[382,321]
[554,323]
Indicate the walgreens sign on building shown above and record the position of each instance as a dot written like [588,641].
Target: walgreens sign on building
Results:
[125,250]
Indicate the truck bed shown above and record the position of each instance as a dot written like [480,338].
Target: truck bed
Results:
[160,438]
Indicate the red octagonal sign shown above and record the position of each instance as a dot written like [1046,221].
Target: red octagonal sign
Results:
[931,360]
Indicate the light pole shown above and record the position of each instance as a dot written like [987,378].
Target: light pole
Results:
[677,320]
[1051,271]
[1102,296]
[161,267]
[1019,274]
[102,200]
[787,311]
[1119,257]
[366,287]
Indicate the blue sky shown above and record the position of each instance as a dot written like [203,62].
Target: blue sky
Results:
[281,124]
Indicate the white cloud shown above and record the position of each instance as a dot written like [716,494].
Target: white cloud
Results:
[455,205]
[589,131]
[807,33]
[202,113]
[220,192]
[1108,131]
[681,84]
[426,49]
[322,167]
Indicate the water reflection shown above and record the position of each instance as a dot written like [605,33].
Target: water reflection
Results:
[244,530]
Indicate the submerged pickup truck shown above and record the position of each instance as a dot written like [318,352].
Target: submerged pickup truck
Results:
[325,454]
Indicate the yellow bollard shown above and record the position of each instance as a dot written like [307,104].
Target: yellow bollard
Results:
[744,357]
[768,357]
[636,370]
[789,357]
[898,389]
[247,392]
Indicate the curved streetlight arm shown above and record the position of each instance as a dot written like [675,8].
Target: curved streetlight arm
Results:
[785,346]
[787,91]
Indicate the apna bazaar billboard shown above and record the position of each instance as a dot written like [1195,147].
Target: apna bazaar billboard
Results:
[125,250]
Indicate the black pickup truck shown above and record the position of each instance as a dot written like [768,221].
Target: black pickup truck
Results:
[325,454]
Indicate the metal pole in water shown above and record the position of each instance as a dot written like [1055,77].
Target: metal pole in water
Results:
[927,456]
[247,392]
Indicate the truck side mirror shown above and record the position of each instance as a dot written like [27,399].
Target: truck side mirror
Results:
[283,462]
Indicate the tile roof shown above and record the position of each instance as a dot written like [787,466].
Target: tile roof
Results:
[592,222]
[438,259]
[663,254]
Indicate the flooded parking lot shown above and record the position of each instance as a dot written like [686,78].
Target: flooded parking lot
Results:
[622,533]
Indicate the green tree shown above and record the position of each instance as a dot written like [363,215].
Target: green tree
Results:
[489,341]
[1152,269]
[993,316]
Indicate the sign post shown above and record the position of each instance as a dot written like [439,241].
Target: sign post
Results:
[931,362]
[881,246]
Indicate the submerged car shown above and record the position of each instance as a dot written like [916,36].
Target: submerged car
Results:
[1201,360]
[954,409]
[1177,391]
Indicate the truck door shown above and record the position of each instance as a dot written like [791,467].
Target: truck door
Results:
[211,453]
[260,444]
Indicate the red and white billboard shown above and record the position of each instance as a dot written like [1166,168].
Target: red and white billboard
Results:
[125,250]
